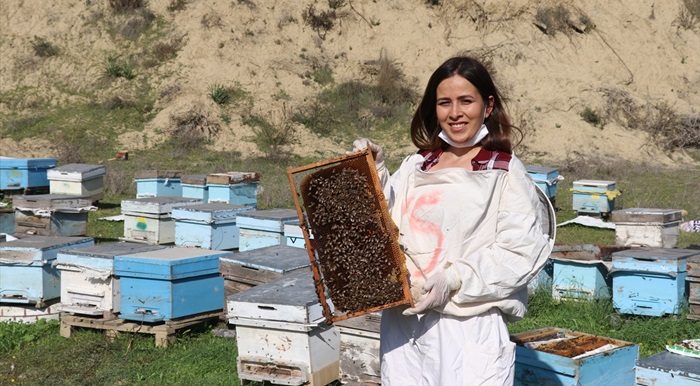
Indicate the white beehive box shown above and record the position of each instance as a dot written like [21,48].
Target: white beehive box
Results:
[88,284]
[281,333]
[647,227]
[149,219]
[294,235]
[78,180]
[359,349]
[52,214]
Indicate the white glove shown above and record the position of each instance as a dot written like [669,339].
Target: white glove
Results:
[438,290]
[364,143]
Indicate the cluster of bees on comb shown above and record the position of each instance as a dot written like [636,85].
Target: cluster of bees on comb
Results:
[352,244]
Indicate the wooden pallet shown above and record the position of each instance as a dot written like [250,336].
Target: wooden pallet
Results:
[164,331]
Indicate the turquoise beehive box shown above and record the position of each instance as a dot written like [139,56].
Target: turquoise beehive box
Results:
[27,271]
[595,197]
[263,228]
[666,368]
[158,183]
[169,283]
[546,178]
[25,173]
[195,186]
[650,281]
[208,226]
[240,188]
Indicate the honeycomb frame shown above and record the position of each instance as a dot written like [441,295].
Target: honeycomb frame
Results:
[354,168]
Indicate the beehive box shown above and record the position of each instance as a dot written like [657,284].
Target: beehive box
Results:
[88,284]
[208,226]
[149,219]
[25,173]
[647,227]
[158,183]
[281,334]
[359,349]
[240,188]
[247,269]
[580,271]
[263,228]
[52,214]
[650,281]
[594,196]
[294,235]
[546,178]
[169,283]
[78,180]
[666,368]
[693,281]
[357,262]
[27,273]
[7,220]
[543,280]
[555,356]
[195,186]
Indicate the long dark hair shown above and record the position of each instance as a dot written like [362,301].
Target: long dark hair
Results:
[425,127]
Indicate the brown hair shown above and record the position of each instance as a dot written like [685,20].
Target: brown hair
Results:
[425,127]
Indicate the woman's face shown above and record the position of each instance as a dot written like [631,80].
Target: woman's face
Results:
[460,108]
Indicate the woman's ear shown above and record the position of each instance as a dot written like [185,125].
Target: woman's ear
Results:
[489,107]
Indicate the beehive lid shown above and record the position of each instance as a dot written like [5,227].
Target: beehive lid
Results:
[210,212]
[276,258]
[76,172]
[169,264]
[646,215]
[658,260]
[156,205]
[32,247]
[154,173]
[594,183]
[51,201]
[194,179]
[289,298]
[270,219]
[585,252]
[231,178]
[672,363]
[545,170]
[109,250]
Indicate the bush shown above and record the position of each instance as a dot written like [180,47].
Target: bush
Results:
[43,48]
[122,6]
[118,69]
[321,22]
[591,116]
[552,19]
[273,138]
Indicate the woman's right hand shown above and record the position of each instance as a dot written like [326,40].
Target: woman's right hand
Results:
[364,143]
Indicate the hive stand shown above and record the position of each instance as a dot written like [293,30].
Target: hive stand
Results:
[164,332]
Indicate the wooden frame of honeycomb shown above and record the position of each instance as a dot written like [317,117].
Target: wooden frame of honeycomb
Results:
[357,263]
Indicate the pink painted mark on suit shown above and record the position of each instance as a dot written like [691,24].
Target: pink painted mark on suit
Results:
[421,226]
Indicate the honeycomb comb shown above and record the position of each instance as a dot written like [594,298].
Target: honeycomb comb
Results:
[355,256]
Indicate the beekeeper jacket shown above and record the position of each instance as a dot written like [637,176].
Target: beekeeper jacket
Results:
[484,229]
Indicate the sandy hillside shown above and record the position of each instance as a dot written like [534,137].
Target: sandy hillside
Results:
[636,48]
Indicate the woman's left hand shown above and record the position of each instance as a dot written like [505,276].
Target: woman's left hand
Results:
[438,292]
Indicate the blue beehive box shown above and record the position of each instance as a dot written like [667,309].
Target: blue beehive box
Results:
[158,183]
[667,368]
[546,179]
[650,281]
[195,186]
[25,173]
[240,188]
[169,283]
[553,356]
[88,284]
[262,228]
[543,280]
[27,272]
[294,235]
[7,220]
[580,271]
[208,226]
[594,196]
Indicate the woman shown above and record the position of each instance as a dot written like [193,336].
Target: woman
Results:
[473,226]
